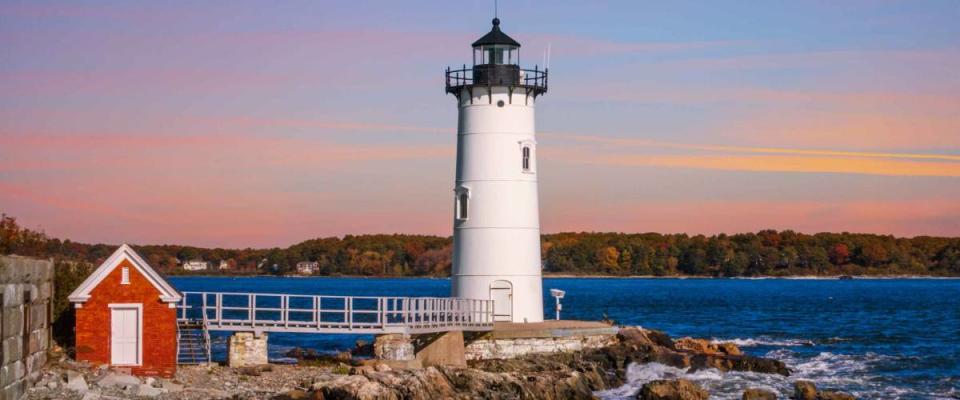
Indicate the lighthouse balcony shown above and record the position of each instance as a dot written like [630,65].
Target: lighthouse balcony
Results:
[532,81]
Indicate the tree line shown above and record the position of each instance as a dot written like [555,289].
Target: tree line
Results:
[765,253]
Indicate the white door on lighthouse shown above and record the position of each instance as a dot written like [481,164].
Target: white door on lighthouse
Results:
[125,326]
[501,292]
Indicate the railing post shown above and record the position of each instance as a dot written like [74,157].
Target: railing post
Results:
[350,313]
[253,310]
[203,307]
[316,311]
[283,309]
[219,309]
[382,315]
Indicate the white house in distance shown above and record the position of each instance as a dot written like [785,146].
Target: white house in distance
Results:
[308,267]
[496,224]
[196,265]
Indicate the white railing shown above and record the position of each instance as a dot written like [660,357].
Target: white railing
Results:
[333,314]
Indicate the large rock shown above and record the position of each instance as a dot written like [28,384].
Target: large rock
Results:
[695,345]
[834,395]
[758,394]
[116,379]
[677,389]
[145,390]
[564,375]
[804,390]
[704,346]
[170,386]
[638,336]
[76,382]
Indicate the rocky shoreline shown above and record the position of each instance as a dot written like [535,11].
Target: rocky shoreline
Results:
[569,375]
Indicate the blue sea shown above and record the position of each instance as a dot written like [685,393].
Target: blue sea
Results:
[874,338]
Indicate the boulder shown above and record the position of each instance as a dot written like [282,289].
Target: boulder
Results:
[116,379]
[708,347]
[170,386]
[758,394]
[638,336]
[676,389]
[76,382]
[295,394]
[729,349]
[695,345]
[804,390]
[145,390]
[91,396]
[834,395]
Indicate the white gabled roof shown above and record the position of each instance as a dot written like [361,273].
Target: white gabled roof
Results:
[125,252]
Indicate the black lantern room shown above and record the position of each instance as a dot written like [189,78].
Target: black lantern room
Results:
[496,62]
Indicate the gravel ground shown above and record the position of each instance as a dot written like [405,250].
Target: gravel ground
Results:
[63,381]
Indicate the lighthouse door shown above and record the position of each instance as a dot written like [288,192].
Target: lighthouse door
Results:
[501,292]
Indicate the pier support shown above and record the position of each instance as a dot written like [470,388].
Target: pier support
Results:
[423,350]
[442,348]
[393,347]
[247,349]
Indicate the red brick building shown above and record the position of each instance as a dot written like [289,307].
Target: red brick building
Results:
[127,316]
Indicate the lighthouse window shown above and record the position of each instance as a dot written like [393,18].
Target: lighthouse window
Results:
[526,158]
[463,205]
[495,56]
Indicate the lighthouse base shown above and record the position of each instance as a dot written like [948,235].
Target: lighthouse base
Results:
[516,298]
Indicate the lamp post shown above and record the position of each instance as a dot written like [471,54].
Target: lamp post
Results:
[557,295]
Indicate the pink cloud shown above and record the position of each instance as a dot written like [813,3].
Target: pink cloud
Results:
[904,218]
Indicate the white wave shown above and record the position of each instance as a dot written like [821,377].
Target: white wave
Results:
[764,341]
[849,373]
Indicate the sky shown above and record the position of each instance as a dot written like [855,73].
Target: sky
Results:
[253,124]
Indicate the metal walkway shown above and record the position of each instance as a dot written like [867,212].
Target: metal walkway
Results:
[261,312]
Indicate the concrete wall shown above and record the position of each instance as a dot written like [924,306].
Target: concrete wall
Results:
[506,348]
[27,289]
[246,349]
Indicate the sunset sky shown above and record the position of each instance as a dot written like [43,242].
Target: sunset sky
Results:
[267,123]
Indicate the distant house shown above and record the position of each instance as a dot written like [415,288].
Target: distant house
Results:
[223,265]
[196,265]
[308,267]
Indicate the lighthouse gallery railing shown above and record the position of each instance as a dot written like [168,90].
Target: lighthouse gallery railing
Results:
[333,314]
[532,79]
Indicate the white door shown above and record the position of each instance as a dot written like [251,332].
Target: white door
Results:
[501,292]
[125,336]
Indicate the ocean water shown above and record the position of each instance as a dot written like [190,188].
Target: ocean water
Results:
[874,338]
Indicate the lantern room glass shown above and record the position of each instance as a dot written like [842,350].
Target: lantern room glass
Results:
[496,54]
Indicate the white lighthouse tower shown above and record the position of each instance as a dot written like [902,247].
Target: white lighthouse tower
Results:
[496,227]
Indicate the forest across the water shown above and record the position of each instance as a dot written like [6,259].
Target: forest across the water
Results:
[764,253]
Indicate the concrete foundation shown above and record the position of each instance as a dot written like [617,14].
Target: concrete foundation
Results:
[511,340]
[445,348]
[417,351]
[394,347]
[246,349]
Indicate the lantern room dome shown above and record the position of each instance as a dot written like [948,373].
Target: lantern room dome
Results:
[496,37]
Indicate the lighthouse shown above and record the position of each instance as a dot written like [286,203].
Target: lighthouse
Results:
[496,221]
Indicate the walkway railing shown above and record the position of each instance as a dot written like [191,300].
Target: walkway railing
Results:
[333,314]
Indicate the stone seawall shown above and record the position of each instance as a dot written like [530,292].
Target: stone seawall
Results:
[26,286]
[507,348]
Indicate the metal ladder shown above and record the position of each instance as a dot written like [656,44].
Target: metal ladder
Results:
[193,343]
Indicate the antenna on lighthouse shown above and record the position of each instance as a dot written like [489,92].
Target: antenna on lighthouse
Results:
[496,9]
[546,65]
